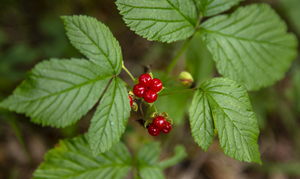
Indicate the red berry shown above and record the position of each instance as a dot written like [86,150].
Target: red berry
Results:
[166,127]
[131,101]
[153,130]
[159,122]
[156,85]
[150,96]
[139,90]
[145,79]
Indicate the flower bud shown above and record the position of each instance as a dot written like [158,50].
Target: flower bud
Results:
[134,107]
[186,78]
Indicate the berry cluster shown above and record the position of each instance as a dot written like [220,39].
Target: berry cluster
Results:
[147,88]
[160,124]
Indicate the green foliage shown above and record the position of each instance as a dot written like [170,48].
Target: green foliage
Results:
[95,41]
[73,159]
[291,8]
[147,159]
[249,45]
[110,119]
[162,20]
[213,7]
[228,104]
[58,92]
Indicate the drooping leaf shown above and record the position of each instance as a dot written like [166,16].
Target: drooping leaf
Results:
[213,7]
[250,46]
[147,160]
[59,92]
[162,20]
[199,60]
[95,41]
[72,159]
[228,104]
[110,118]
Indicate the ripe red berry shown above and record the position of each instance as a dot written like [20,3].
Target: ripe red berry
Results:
[131,101]
[145,79]
[139,90]
[159,122]
[153,130]
[166,127]
[150,96]
[155,85]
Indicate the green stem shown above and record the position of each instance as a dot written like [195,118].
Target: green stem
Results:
[155,108]
[179,92]
[127,85]
[133,79]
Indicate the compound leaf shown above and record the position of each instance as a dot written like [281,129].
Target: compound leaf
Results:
[162,20]
[72,159]
[95,41]
[213,7]
[59,92]
[235,121]
[110,118]
[250,46]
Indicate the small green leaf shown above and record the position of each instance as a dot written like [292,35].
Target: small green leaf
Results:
[59,92]
[73,159]
[95,41]
[110,119]
[213,7]
[250,46]
[162,20]
[236,123]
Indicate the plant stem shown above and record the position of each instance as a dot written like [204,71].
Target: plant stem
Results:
[155,108]
[127,85]
[133,79]
[174,61]
[179,92]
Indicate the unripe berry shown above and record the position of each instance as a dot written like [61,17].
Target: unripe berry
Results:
[166,128]
[156,85]
[150,96]
[145,79]
[186,78]
[153,130]
[139,90]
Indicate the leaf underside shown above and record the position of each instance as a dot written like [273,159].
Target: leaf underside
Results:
[228,104]
[213,7]
[58,92]
[72,159]
[250,46]
[161,20]
[110,118]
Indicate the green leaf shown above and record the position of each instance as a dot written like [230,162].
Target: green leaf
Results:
[110,119]
[59,92]
[73,159]
[228,104]
[162,20]
[95,41]
[250,46]
[147,160]
[291,8]
[199,60]
[213,7]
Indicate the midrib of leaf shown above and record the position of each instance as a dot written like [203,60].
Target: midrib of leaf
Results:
[181,13]
[241,135]
[106,56]
[68,89]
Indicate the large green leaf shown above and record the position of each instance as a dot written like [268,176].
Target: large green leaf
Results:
[72,159]
[162,20]
[94,40]
[59,92]
[213,7]
[147,161]
[111,117]
[228,104]
[250,46]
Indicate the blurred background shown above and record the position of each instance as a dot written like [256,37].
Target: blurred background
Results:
[32,31]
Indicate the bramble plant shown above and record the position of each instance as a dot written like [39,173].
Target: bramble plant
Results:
[251,49]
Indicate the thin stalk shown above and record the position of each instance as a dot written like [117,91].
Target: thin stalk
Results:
[127,71]
[155,108]
[179,92]
[127,85]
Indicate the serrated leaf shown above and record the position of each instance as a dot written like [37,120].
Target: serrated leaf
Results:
[59,92]
[250,46]
[72,159]
[162,20]
[95,41]
[147,160]
[232,112]
[110,118]
[213,7]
